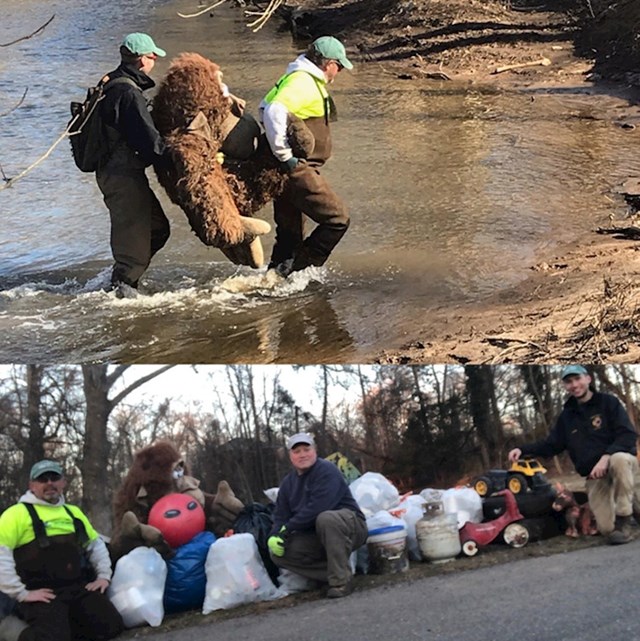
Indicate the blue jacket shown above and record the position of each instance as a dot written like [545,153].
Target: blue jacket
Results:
[302,497]
[587,431]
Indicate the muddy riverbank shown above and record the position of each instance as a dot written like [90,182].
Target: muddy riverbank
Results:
[476,38]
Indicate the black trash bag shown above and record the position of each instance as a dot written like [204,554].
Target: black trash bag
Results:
[257,519]
[7,604]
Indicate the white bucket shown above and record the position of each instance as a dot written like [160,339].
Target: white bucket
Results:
[388,550]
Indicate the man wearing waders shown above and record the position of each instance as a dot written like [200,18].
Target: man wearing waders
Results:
[139,227]
[302,91]
[54,564]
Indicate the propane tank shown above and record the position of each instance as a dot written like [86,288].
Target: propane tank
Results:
[437,534]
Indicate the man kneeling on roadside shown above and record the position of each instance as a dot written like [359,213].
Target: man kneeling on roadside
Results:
[317,522]
[55,565]
[597,432]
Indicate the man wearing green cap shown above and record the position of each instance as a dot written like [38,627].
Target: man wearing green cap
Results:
[139,227]
[55,565]
[596,431]
[302,91]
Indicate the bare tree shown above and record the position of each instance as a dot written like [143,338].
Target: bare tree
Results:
[98,383]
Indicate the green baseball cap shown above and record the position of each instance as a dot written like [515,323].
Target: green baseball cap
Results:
[573,370]
[41,467]
[141,44]
[332,49]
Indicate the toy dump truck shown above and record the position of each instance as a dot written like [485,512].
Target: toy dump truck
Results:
[523,475]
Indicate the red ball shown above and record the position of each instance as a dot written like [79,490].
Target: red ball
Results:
[179,517]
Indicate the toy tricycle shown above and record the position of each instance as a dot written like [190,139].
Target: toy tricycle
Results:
[475,535]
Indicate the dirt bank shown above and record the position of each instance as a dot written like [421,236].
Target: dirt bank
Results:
[474,38]
[581,305]
[583,301]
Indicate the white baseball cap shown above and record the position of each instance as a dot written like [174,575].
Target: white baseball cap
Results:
[297,439]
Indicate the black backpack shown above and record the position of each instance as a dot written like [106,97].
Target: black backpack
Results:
[90,141]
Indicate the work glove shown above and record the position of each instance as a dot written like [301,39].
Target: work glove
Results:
[276,542]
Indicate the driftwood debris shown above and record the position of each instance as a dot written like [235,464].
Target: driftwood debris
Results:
[199,13]
[542,62]
[630,231]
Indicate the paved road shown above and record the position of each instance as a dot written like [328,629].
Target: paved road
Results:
[589,595]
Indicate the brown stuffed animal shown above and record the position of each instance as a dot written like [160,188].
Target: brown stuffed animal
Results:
[194,117]
[158,470]
[579,518]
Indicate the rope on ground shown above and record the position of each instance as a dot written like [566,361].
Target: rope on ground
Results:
[199,13]
[257,24]
[65,134]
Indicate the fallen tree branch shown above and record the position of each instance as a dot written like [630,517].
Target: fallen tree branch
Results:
[629,231]
[199,13]
[544,62]
[65,134]
[36,32]
[6,113]
[590,7]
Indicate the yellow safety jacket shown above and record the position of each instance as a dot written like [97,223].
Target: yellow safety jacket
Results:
[304,94]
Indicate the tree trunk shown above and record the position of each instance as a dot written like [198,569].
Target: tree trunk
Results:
[96,499]
[34,450]
[484,411]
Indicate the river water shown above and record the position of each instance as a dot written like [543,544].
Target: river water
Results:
[454,193]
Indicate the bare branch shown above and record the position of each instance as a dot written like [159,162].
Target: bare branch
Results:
[138,383]
[116,374]
[6,113]
[199,13]
[33,165]
[35,33]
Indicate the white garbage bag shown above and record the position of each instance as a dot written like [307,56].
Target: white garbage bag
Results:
[272,494]
[373,492]
[431,495]
[382,519]
[411,510]
[236,574]
[290,582]
[137,587]
[465,502]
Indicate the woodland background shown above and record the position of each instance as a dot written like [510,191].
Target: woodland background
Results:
[421,426]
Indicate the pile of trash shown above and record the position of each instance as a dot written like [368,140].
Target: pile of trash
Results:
[235,570]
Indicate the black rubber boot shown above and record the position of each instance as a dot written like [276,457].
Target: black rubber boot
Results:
[622,531]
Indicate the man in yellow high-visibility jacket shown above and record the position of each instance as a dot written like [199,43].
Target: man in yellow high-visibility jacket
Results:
[55,564]
[302,91]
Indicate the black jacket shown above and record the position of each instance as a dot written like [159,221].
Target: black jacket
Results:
[587,431]
[124,108]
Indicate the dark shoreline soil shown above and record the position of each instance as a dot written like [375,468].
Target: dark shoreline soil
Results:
[474,37]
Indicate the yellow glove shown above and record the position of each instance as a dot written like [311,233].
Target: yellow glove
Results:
[276,542]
